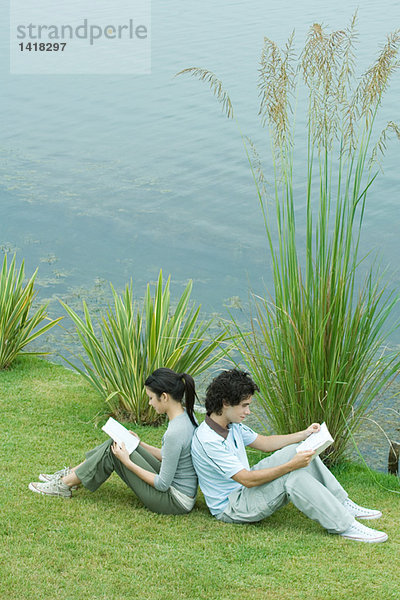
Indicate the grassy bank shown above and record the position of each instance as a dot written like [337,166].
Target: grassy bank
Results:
[107,546]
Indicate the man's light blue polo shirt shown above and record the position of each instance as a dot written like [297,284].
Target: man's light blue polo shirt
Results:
[216,459]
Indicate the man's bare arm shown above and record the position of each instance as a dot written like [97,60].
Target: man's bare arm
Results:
[260,476]
[270,443]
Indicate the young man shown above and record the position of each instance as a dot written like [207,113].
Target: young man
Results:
[237,494]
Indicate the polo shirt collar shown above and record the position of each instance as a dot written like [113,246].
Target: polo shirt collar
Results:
[216,427]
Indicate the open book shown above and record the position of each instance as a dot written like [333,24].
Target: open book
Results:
[120,434]
[316,441]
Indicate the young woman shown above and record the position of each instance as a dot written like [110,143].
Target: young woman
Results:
[164,480]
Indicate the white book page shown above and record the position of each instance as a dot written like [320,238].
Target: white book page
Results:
[316,441]
[120,434]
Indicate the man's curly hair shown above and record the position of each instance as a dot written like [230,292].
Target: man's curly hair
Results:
[230,387]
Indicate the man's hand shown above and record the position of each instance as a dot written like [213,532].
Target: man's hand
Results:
[311,429]
[301,459]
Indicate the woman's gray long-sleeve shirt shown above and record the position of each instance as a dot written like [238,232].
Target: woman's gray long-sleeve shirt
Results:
[176,467]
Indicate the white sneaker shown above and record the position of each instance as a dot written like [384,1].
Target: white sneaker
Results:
[360,533]
[57,475]
[51,488]
[359,512]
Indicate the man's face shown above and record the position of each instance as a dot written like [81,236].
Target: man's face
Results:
[237,414]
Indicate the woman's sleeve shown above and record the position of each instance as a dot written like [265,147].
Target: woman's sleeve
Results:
[171,452]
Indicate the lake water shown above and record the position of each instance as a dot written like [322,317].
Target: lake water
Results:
[107,178]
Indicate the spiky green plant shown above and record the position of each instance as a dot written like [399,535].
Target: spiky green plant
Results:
[18,321]
[316,346]
[132,342]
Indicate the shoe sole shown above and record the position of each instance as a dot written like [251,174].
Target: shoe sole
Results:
[369,518]
[379,540]
[34,489]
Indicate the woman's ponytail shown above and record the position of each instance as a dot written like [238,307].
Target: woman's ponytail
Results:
[190,396]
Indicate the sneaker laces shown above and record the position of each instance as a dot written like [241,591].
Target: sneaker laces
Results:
[61,473]
[357,510]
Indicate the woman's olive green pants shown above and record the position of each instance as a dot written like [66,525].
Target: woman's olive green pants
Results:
[101,462]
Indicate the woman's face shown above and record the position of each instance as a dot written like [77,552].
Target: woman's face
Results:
[155,401]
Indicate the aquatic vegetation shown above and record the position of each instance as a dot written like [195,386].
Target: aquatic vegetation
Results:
[317,344]
[125,346]
[50,258]
[19,322]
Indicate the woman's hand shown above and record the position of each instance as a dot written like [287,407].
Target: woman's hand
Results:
[311,429]
[135,434]
[120,452]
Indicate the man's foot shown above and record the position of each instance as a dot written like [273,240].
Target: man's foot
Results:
[51,488]
[360,533]
[52,476]
[359,512]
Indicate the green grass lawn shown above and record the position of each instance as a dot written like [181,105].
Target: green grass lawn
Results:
[107,546]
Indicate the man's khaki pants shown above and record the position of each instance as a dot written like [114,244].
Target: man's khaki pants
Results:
[312,489]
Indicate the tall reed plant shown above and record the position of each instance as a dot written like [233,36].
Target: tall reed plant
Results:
[19,321]
[130,342]
[317,343]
